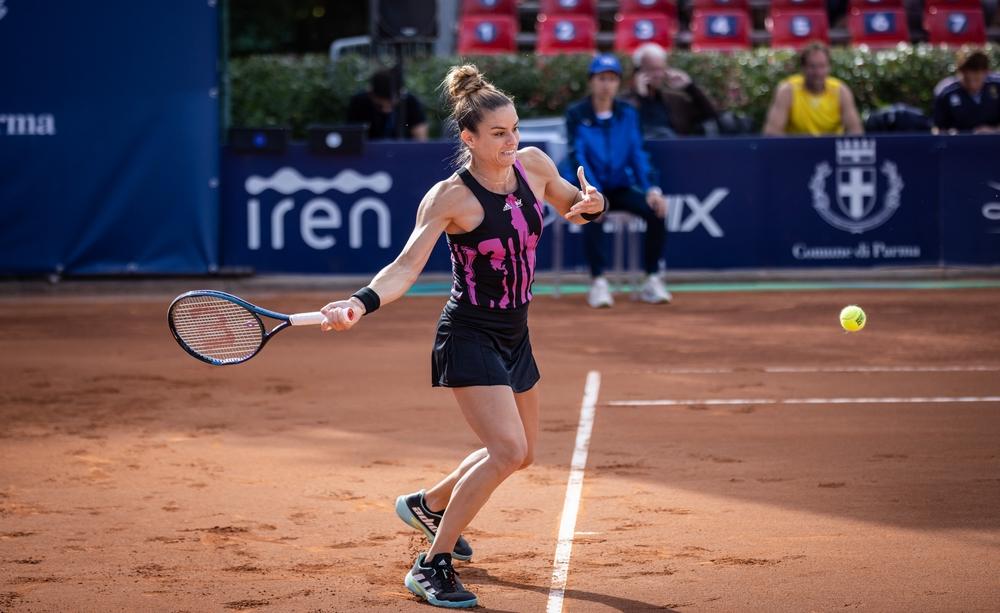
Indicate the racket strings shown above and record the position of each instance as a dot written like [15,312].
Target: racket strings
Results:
[217,329]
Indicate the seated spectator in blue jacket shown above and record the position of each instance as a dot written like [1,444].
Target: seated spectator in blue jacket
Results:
[970,101]
[604,137]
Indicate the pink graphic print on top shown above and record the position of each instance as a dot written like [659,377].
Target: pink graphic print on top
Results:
[497,254]
[464,256]
[521,253]
[528,242]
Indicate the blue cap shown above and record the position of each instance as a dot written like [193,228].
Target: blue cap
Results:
[605,63]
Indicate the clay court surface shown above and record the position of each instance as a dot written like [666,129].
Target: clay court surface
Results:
[133,478]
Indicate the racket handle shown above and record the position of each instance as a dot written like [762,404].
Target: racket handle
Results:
[314,318]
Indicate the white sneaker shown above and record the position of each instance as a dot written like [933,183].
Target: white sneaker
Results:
[654,292]
[599,295]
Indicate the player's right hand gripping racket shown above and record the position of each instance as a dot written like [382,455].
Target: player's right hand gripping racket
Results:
[223,329]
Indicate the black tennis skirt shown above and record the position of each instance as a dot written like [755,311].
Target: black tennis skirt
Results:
[481,346]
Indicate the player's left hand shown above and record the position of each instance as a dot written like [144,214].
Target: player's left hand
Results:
[341,315]
[592,201]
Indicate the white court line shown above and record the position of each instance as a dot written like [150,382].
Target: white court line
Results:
[818,369]
[574,487]
[728,401]
[884,369]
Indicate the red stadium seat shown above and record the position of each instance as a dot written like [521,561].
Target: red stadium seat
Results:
[633,30]
[797,5]
[483,34]
[566,34]
[876,4]
[972,4]
[955,26]
[721,5]
[720,30]
[587,8]
[796,29]
[878,27]
[489,7]
[642,7]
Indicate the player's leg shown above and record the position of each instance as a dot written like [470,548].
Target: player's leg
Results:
[527,408]
[492,413]
[424,510]
[437,496]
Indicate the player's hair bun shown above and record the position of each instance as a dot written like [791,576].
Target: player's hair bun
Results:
[464,81]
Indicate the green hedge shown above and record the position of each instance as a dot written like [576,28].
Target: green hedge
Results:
[299,90]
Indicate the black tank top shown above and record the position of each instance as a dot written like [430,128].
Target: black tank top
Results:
[493,266]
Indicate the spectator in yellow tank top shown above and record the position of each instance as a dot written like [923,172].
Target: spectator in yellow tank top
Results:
[813,103]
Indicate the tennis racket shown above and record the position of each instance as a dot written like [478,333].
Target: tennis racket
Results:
[223,329]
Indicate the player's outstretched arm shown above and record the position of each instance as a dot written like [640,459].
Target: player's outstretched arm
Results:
[572,203]
[433,216]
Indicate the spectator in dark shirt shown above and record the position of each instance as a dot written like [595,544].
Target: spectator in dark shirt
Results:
[381,105]
[969,101]
[669,102]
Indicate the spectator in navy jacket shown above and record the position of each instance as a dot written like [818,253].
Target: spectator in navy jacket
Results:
[970,101]
[605,138]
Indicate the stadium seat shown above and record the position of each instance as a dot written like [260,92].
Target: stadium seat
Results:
[633,30]
[483,34]
[587,8]
[566,34]
[797,5]
[794,29]
[728,5]
[875,4]
[489,7]
[955,26]
[720,30]
[878,27]
[971,4]
[643,7]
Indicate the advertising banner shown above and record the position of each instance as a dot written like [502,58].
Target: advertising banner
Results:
[109,143]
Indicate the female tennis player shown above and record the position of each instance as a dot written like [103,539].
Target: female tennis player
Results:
[491,212]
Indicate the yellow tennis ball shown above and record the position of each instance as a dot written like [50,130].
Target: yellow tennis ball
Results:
[852,318]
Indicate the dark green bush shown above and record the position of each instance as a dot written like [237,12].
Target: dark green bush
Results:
[298,90]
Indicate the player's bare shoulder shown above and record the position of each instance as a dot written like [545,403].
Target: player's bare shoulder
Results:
[533,158]
[538,164]
[445,198]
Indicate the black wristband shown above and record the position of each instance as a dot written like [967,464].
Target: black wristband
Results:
[593,216]
[369,298]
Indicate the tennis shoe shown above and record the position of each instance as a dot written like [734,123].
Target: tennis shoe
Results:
[437,582]
[654,291]
[599,295]
[412,509]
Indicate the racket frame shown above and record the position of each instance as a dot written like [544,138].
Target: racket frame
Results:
[256,311]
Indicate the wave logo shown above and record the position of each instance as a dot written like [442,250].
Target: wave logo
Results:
[319,215]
